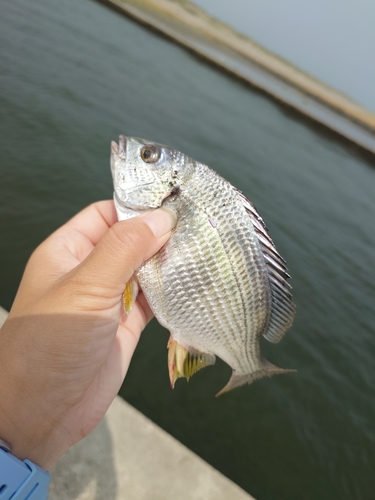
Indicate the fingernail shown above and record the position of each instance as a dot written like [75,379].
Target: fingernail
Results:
[160,221]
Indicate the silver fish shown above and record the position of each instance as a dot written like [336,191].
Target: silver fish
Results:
[219,283]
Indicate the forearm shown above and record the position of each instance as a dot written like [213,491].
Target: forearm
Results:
[29,422]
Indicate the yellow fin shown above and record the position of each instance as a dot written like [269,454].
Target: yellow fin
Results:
[130,294]
[184,363]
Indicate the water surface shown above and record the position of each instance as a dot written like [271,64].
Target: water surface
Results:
[73,76]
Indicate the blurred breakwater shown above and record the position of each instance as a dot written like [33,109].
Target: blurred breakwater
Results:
[190,26]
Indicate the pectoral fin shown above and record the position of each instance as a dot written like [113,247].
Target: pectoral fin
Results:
[266,369]
[184,363]
[130,294]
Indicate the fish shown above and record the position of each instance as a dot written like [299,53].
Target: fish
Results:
[219,283]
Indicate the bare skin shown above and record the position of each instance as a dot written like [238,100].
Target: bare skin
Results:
[66,345]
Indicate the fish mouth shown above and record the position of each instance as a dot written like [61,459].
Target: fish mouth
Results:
[120,148]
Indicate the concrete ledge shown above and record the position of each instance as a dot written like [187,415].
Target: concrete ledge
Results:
[3,316]
[128,456]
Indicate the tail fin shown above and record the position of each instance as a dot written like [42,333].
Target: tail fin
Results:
[266,369]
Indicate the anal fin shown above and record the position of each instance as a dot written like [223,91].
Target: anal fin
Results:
[266,369]
[130,294]
[184,363]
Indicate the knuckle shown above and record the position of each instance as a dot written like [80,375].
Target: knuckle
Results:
[131,235]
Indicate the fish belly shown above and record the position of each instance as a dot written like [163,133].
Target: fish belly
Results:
[208,285]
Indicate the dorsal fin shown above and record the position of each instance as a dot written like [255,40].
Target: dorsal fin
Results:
[282,307]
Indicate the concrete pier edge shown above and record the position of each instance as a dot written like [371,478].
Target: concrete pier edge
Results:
[128,456]
[189,26]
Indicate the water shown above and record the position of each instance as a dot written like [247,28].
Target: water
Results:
[73,76]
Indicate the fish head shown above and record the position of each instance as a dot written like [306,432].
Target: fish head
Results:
[146,173]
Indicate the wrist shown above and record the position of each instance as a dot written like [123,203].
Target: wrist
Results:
[21,479]
[27,439]
[38,447]
[27,421]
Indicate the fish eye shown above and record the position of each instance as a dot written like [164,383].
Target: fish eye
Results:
[150,154]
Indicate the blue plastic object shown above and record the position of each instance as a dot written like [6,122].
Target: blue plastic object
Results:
[21,480]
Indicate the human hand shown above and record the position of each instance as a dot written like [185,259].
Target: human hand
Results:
[66,346]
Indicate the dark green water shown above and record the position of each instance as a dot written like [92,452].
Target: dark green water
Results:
[73,76]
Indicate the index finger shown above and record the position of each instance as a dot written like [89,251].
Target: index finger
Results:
[93,221]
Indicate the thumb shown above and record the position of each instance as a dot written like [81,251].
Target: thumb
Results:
[125,246]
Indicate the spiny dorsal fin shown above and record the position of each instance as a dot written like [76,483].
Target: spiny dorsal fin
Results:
[282,307]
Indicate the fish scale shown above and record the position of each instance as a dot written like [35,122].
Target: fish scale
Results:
[219,283]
